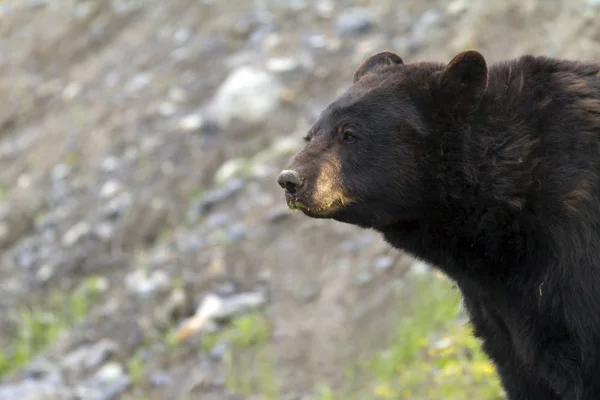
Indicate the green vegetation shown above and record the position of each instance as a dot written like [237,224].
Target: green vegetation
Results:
[433,356]
[249,365]
[39,326]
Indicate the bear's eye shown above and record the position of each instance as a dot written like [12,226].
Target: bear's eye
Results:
[348,136]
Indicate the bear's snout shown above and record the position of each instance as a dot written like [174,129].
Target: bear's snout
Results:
[290,181]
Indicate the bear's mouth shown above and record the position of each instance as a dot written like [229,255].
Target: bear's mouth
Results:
[313,210]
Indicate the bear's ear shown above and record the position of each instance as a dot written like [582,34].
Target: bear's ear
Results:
[376,60]
[464,81]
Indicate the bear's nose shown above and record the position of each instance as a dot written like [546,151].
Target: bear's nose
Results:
[290,180]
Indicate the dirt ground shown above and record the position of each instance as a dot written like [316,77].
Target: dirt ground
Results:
[104,173]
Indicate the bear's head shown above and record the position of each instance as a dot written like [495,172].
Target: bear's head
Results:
[372,157]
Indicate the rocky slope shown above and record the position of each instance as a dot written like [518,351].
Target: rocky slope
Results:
[139,148]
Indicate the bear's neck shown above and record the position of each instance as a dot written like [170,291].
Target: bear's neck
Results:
[476,221]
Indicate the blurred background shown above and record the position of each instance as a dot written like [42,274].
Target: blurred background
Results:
[146,248]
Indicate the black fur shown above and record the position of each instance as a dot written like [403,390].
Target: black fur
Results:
[494,177]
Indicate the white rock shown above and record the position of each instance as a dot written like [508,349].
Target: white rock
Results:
[282,64]
[110,188]
[75,233]
[249,95]
[191,122]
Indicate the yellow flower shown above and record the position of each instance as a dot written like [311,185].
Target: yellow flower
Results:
[384,391]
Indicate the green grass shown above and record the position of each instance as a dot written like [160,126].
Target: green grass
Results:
[249,365]
[40,325]
[433,356]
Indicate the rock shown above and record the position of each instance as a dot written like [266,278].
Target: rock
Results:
[218,219]
[245,24]
[383,263]
[159,378]
[210,198]
[248,95]
[177,94]
[229,169]
[71,91]
[118,205]
[181,36]
[110,164]
[192,122]
[86,358]
[166,109]
[214,307]
[419,268]
[33,4]
[325,8]
[143,284]
[354,21]
[107,384]
[138,82]
[35,390]
[76,233]
[110,189]
[424,23]
[104,231]
[283,64]
[235,233]
[60,172]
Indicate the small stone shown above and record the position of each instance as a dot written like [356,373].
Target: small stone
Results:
[110,189]
[159,378]
[166,109]
[138,82]
[71,91]
[110,372]
[89,357]
[24,181]
[419,268]
[75,233]
[191,122]
[325,9]
[33,4]
[143,284]
[219,219]
[383,263]
[459,6]
[228,170]
[177,94]
[104,231]
[60,172]
[354,21]
[236,233]
[109,164]
[117,205]
[181,36]
[45,272]
[317,41]
[282,64]
[364,276]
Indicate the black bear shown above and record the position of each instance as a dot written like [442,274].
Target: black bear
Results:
[492,174]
